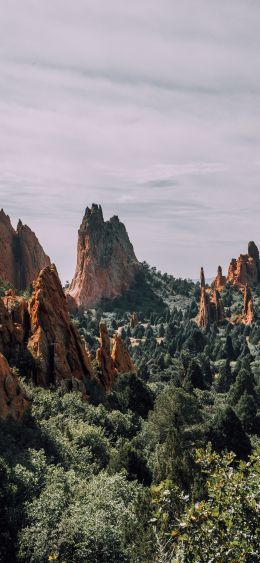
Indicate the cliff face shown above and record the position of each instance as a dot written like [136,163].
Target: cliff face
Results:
[12,399]
[22,256]
[60,356]
[106,262]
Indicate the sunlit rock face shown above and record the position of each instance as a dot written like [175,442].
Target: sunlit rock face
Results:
[21,255]
[246,269]
[112,361]
[60,356]
[248,312]
[106,262]
[211,306]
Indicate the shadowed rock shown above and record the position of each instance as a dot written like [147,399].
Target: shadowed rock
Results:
[22,256]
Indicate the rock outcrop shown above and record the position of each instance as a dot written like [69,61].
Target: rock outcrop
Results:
[13,401]
[248,312]
[22,256]
[106,262]
[246,269]
[60,356]
[120,356]
[112,362]
[219,281]
[107,371]
[211,306]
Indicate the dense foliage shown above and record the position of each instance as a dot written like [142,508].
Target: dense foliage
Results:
[130,476]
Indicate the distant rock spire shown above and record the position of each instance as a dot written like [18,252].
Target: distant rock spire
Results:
[106,262]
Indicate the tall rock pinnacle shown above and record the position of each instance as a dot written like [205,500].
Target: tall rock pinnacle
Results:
[106,262]
[21,255]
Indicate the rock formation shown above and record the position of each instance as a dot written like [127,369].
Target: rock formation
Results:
[106,262]
[106,366]
[219,281]
[22,256]
[246,269]
[13,401]
[211,306]
[121,357]
[55,344]
[112,363]
[248,313]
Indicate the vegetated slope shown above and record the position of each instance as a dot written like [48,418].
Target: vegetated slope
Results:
[119,477]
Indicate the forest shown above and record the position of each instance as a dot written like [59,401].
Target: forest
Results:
[163,468]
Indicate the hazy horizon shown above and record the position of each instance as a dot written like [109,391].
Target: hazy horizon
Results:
[151,110]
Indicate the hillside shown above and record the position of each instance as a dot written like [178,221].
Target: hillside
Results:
[129,431]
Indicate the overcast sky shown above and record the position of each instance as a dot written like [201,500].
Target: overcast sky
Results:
[150,108]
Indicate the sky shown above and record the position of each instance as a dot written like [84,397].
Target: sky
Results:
[151,109]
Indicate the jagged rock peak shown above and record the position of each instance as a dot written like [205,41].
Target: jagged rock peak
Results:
[112,363]
[22,256]
[246,269]
[219,281]
[253,251]
[121,357]
[107,371]
[211,306]
[106,262]
[202,278]
[61,357]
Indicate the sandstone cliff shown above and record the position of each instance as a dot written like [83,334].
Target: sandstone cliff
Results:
[106,262]
[22,256]
[13,401]
[61,357]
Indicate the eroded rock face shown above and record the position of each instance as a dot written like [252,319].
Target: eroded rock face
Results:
[219,281]
[112,362]
[13,401]
[248,313]
[105,363]
[211,306]
[55,344]
[246,269]
[106,262]
[121,357]
[22,256]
